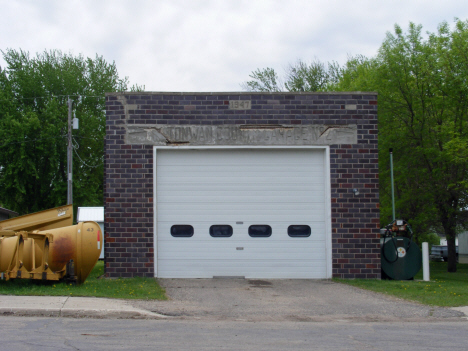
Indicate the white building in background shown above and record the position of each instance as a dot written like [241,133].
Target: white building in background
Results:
[463,247]
[95,214]
[7,214]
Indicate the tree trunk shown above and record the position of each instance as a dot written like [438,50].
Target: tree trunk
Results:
[448,219]
[452,253]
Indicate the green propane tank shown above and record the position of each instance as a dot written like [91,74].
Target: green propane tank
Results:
[401,257]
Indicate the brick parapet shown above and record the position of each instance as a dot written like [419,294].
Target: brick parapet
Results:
[129,168]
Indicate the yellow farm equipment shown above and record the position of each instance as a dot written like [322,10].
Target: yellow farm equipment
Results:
[46,246]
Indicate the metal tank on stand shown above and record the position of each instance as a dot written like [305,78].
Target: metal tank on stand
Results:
[401,258]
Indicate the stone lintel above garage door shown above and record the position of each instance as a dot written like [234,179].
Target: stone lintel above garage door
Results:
[161,135]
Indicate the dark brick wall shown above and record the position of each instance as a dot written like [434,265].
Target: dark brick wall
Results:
[129,169]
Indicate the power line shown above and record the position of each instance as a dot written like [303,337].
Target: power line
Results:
[52,96]
[56,137]
[76,146]
[83,162]
[30,141]
[83,137]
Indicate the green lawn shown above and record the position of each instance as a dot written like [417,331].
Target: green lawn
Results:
[128,288]
[444,289]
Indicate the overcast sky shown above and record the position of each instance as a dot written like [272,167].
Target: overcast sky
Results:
[212,45]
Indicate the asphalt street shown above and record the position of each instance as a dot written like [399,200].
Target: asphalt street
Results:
[50,334]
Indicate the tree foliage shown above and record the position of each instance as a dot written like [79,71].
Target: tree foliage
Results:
[423,113]
[302,76]
[263,80]
[422,82]
[34,126]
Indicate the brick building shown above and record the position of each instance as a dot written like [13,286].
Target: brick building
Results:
[260,185]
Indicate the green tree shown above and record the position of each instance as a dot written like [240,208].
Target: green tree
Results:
[263,80]
[302,76]
[33,128]
[423,115]
[357,74]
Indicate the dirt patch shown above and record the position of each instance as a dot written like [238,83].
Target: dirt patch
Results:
[260,284]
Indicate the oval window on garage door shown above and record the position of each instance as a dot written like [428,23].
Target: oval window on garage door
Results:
[260,231]
[221,231]
[182,231]
[299,231]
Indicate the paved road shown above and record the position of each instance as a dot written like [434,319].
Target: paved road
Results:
[226,314]
[285,300]
[49,334]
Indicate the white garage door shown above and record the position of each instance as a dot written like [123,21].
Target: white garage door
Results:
[256,213]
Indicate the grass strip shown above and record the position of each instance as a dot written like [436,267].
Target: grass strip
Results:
[121,288]
[444,289]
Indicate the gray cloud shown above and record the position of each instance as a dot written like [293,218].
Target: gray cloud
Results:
[174,45]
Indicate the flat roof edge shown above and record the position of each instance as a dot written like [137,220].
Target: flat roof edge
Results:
[242,93]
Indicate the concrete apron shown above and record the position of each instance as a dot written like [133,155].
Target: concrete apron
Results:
[286,300]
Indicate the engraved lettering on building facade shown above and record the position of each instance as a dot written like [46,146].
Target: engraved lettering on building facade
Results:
[240,104]
[235,135]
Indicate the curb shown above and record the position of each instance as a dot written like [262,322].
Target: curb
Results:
[462,309]
[18,311]
[111,314]
[81,313]
[72,307]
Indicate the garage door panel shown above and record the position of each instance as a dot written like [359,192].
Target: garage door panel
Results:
[246,171]
[169,188]
[260,217]
[239,197]
[202,230]
[210,244]
[220,169]
[228,178]
[234,202]
[230,253]
[272,187]
[275,239]
[270,269]
[172,244]
[249,160]
[242,156]
[205,208]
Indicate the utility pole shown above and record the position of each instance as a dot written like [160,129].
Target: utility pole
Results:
[70,155]
[391,179]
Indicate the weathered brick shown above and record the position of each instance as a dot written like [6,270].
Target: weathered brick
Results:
[129,186]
